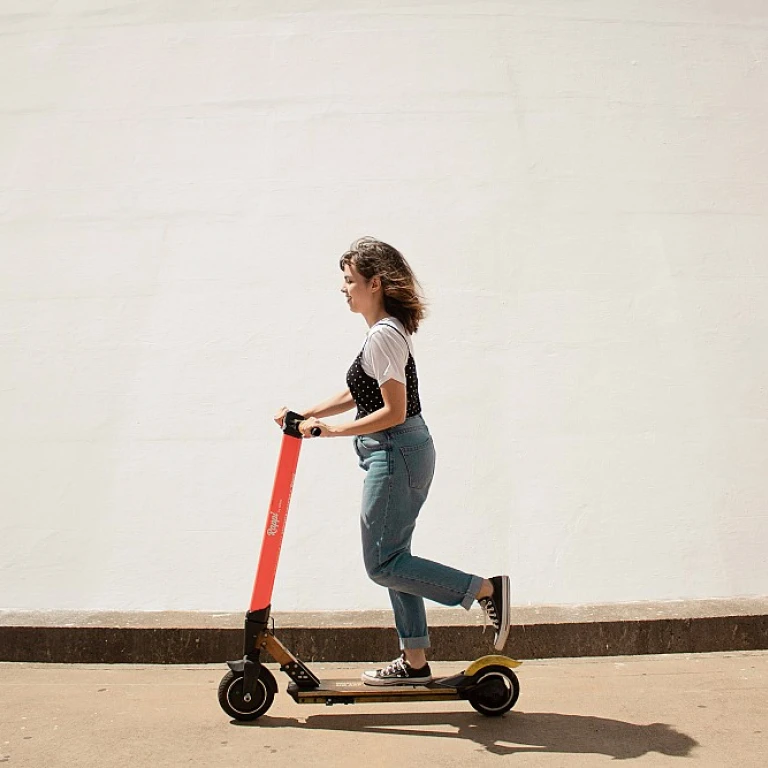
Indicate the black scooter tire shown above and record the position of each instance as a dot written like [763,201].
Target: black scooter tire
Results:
[232,698]
[495,691]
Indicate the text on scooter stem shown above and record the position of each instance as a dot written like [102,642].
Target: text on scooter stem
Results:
[274,523]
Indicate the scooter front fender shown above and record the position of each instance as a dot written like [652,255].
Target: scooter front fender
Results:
[250,669]
[491,661]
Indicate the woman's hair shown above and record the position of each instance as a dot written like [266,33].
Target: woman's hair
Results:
[402,292]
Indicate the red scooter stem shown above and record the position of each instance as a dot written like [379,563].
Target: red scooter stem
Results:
[278,512]
[275,526]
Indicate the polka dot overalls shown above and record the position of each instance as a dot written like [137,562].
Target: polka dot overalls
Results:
[367,394]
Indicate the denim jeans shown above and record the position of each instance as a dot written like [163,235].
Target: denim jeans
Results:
[399,464]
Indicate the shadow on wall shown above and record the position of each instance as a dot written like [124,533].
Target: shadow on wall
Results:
[545,732]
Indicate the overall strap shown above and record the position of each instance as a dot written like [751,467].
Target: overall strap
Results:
[393,327]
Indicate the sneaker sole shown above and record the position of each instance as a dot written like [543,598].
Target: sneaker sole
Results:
[503,634]
[401,683]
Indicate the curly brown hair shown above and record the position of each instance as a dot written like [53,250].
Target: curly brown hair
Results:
[403,298]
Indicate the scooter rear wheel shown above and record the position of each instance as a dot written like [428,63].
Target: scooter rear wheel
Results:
[495,692]
[232,697]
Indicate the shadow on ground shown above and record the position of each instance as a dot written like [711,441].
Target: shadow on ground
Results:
[545,732]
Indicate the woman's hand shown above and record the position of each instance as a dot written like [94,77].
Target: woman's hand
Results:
[280,416]
[306,427]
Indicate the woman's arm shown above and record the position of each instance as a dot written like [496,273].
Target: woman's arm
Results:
[339,403]
[395,398]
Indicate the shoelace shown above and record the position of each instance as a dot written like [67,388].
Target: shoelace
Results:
[395,669]
[489,612]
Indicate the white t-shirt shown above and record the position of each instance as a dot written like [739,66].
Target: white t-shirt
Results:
[385,353]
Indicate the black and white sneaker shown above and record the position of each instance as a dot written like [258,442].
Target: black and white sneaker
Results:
[399,672]
[497,609]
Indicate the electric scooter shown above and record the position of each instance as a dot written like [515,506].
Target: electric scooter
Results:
[247,691]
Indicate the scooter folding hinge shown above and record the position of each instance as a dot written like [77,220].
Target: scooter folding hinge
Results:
[256,624]
[301,675]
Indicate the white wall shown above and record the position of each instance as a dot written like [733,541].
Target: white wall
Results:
[582,187]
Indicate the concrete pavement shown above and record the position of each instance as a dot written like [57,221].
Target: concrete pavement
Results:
[704,709]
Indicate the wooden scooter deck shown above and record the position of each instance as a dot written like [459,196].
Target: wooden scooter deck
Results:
[351,691]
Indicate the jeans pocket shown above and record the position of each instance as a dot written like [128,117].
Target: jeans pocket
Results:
[374,441]
[420,463]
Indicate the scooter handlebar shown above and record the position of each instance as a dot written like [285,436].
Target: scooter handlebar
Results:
[291,425]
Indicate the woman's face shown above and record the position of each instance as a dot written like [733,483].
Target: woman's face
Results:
[361,294]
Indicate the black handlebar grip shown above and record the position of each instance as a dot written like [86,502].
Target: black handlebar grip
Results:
[291,425]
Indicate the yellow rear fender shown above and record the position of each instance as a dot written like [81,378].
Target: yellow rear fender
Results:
[491,661]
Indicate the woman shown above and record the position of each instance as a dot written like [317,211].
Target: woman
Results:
[395,449]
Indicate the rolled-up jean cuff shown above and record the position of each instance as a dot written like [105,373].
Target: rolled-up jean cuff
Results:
[474,587]
[414,642]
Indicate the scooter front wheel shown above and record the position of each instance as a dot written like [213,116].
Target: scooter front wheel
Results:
[495,692]
[241,706]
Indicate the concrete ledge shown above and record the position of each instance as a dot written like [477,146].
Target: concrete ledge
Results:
[540,632]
